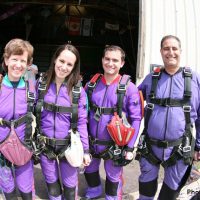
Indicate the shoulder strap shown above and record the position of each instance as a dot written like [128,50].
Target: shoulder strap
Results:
[155,77]
[76,93]
[42,85]
[30,88]
[121,90]
[92,84]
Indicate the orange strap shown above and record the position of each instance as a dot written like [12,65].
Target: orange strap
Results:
[142,103]
[95,78]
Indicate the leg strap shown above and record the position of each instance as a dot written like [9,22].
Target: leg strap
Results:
[11,196]
[26,196]
[93,179]
[111,187]
[167,193]
[148,188]
[69,193]
[54,189]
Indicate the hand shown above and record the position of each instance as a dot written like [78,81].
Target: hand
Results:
[197,155]
[87,159]
[128,155]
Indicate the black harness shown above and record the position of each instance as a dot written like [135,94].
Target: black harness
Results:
[54,148]
[113,151]
[183,147]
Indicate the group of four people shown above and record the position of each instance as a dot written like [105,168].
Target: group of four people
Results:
[60,105]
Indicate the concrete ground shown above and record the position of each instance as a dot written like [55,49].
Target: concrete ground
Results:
[131,173]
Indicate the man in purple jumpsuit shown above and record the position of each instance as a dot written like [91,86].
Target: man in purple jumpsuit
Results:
[173,106]
[103,97]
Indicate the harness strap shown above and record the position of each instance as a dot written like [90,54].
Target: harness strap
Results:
[94,141]
[164,143]
[16,122]
[102,110]
[55,108]
[76,92]
[121,90]
[54,142]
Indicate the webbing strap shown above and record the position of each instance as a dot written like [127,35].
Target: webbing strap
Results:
[76,92]
[121,90]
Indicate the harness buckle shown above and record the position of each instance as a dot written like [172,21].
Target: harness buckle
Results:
[42,87]
[121,87]
[98,113]
[187,72]
[92,85]
[156,74]
[163,144]
[150,106]
[186,149]
[186,108]
[31,95]
[117,152]
[77,90]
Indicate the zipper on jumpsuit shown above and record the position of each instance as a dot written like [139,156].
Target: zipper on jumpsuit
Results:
[166,120]
[97,130]
[54,114]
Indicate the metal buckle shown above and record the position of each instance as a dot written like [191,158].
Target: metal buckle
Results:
[186,108]
[163,144]
[121,87]
[76,91]
[117,152]
[187,72]
[150,106]
[186,149]
[31,95]
[92,85]
[42,87]
[156,74]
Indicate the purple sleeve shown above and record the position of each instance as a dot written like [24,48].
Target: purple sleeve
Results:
[134,108]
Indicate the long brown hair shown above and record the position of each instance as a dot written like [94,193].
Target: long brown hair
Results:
[74,76]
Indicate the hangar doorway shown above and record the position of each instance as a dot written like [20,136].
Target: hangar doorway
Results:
[87,24]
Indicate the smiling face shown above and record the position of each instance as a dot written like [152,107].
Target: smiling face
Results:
[170,52]
[64,65]
[17,65]
[112,62]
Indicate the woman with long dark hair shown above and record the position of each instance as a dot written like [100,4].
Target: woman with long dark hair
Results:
[62,110]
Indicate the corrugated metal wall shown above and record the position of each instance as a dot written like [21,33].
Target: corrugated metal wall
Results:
[163,17]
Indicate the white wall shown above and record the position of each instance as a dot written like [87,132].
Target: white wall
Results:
[162,17]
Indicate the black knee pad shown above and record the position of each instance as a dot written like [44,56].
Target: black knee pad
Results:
[111,187]
[93,179]
[11,196]
[148,188]
[167,193]
[54,189]
[69,193]
[26,196]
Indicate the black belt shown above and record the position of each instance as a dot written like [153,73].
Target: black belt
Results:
[55,108]
[102,110]
[54,142]
[164,143]
[169,102]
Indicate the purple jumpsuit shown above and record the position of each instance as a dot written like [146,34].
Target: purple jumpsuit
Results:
[13,103]
[57,125]
[105,96]
[168,123]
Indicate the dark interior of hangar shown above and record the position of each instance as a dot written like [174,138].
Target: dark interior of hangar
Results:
[87,24]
